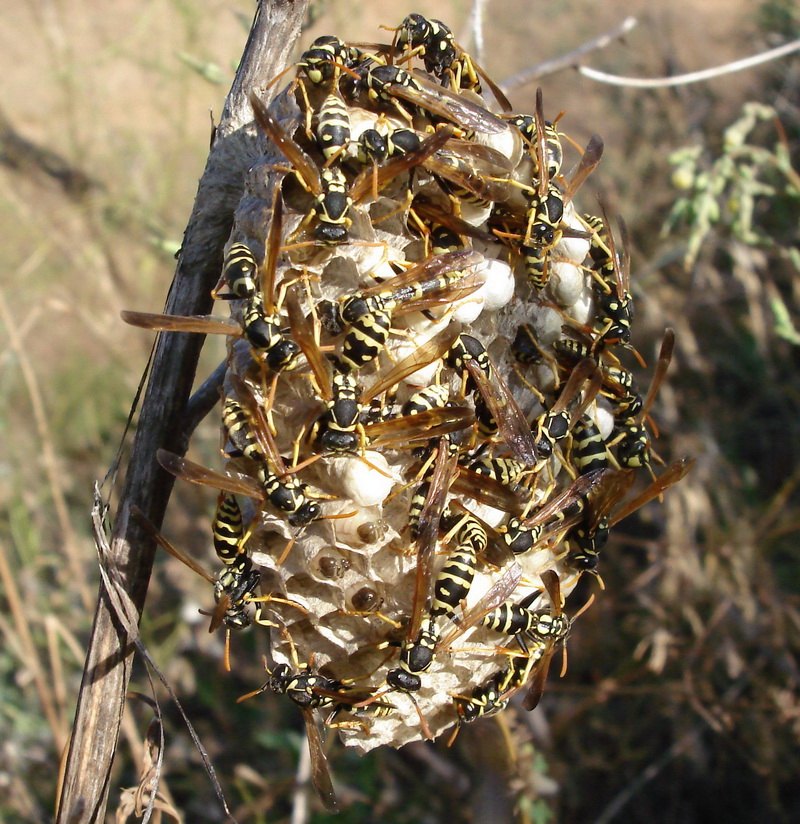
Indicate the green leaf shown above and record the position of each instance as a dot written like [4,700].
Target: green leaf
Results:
[784,327]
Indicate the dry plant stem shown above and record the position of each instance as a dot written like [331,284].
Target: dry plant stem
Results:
[74,559]
[691,77]
[107,670]
[565,61]
[31,657]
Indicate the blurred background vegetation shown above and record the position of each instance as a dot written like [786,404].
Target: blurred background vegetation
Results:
[681,701]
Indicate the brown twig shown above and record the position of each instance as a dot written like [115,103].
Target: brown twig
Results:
[26,157]
[84,791]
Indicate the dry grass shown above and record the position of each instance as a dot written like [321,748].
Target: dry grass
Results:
[681,698]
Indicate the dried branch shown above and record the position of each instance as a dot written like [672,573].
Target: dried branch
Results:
[691,77]
[29,158]
[565,61]
[84,792]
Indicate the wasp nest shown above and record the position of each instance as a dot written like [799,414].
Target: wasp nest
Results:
[429,427]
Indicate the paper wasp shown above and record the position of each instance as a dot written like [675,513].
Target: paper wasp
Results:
[240,271]
[227,529]
[467,170]
[416,653]
[542,665]
[443,595]
[497,408]
[328,186]
[546,201]
[552,151]
[589,450]
[555,424]
[341,429]
[433,41]
[260,327]
[326,57]
[633,441]
[579,502]
[535,660]
[453,583]
[483,702]
[310,691]
[246,427]
[366,316]
[590,534]
[332,127]
[234,587]
[493,696]
[442,230]
[614,304]
[470,172]
[507,471]
[286,495]
[384,84]
[519,620]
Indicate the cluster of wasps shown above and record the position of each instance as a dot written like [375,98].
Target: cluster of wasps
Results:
[427,423]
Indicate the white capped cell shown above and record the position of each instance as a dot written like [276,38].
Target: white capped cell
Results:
[567,282]
[368,482]
[604,418]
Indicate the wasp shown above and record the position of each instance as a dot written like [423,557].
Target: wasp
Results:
[433,41]
[240,271]
[527,351]
[227,529]
[588,499]
[332,130]
[367,315]
[248,430]
[384,84]
[324,60]
[547,201]
[454,581]
[416,653]
[418,503]
[496,407]
[519,620]
[550,150]
[507,471]
[555,424]
[613,301]
[633,447]
[310,691]
[484,701]
[328,186]
[552,628]
[541,666]
[234,587]
[468,171]
[446,230]
[604,508]
[260,327]
[589,450]
[436,396]
[455,578]
[333,197]
[283,493]
[341,429]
